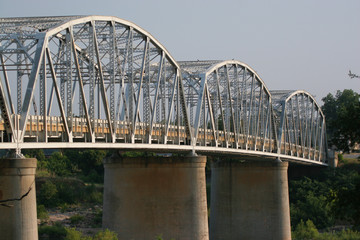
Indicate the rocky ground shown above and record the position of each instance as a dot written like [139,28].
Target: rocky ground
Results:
[84,218]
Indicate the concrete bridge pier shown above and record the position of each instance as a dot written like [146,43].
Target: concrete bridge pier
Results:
[145,197]
[18,218]
[249,200]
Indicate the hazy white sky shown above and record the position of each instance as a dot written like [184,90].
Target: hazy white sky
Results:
[308,44]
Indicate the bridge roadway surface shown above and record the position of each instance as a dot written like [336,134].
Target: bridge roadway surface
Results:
[56,130]
[104,82]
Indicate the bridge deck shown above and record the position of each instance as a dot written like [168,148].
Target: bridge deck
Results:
[175,136]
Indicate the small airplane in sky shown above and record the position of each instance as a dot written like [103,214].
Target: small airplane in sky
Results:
[352,75]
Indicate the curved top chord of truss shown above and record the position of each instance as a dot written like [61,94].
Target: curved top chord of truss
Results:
[31,26]
[301,125]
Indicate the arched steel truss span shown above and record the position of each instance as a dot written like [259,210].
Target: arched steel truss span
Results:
[230,105]
[301,125]
[93,78]
[103,82]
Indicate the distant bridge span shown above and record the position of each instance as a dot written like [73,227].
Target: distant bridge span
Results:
[103,82]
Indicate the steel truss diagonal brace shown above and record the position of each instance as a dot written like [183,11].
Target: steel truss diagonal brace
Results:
[5,113]
[103,91]
[58,96]
[176,82]
[138,98]
[199,107]
[81,82]
[31,84]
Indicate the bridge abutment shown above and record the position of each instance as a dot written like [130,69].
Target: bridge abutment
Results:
[249,200]
[18,218]
[145,197]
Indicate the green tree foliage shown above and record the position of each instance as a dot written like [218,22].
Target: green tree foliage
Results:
[88,163]
[48,194]
[56,231]
[55,192]
[60,165]
[308,231]
[305,231]
[348,207]
[42,213]
[59,232]
[73,234]
[105,235]
[76,219]
[311,199]
[333,194]
[342,113]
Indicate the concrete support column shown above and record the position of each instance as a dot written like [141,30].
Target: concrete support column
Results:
[145,197]
[249,200]
[18,218]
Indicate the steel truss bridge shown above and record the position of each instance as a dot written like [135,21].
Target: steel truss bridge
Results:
[103,82]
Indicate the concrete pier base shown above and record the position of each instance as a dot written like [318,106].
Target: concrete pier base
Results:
[18,218]
[148,197]
[249,200]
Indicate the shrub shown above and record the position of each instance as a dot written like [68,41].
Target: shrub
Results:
[98,218]
[305,231]
[349,235]
[93,177]
[75,219]
[48,194]
[42,214]
[64,207]
[42,172]
[59,232]
[69,191]
[72,234]
[93,195]
[56,231]
[105,235]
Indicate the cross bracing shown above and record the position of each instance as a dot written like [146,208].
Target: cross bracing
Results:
[103,82]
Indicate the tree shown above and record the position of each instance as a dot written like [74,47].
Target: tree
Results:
[342,113]
[311,199]
[60,165]
[89,163]
[305,231]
